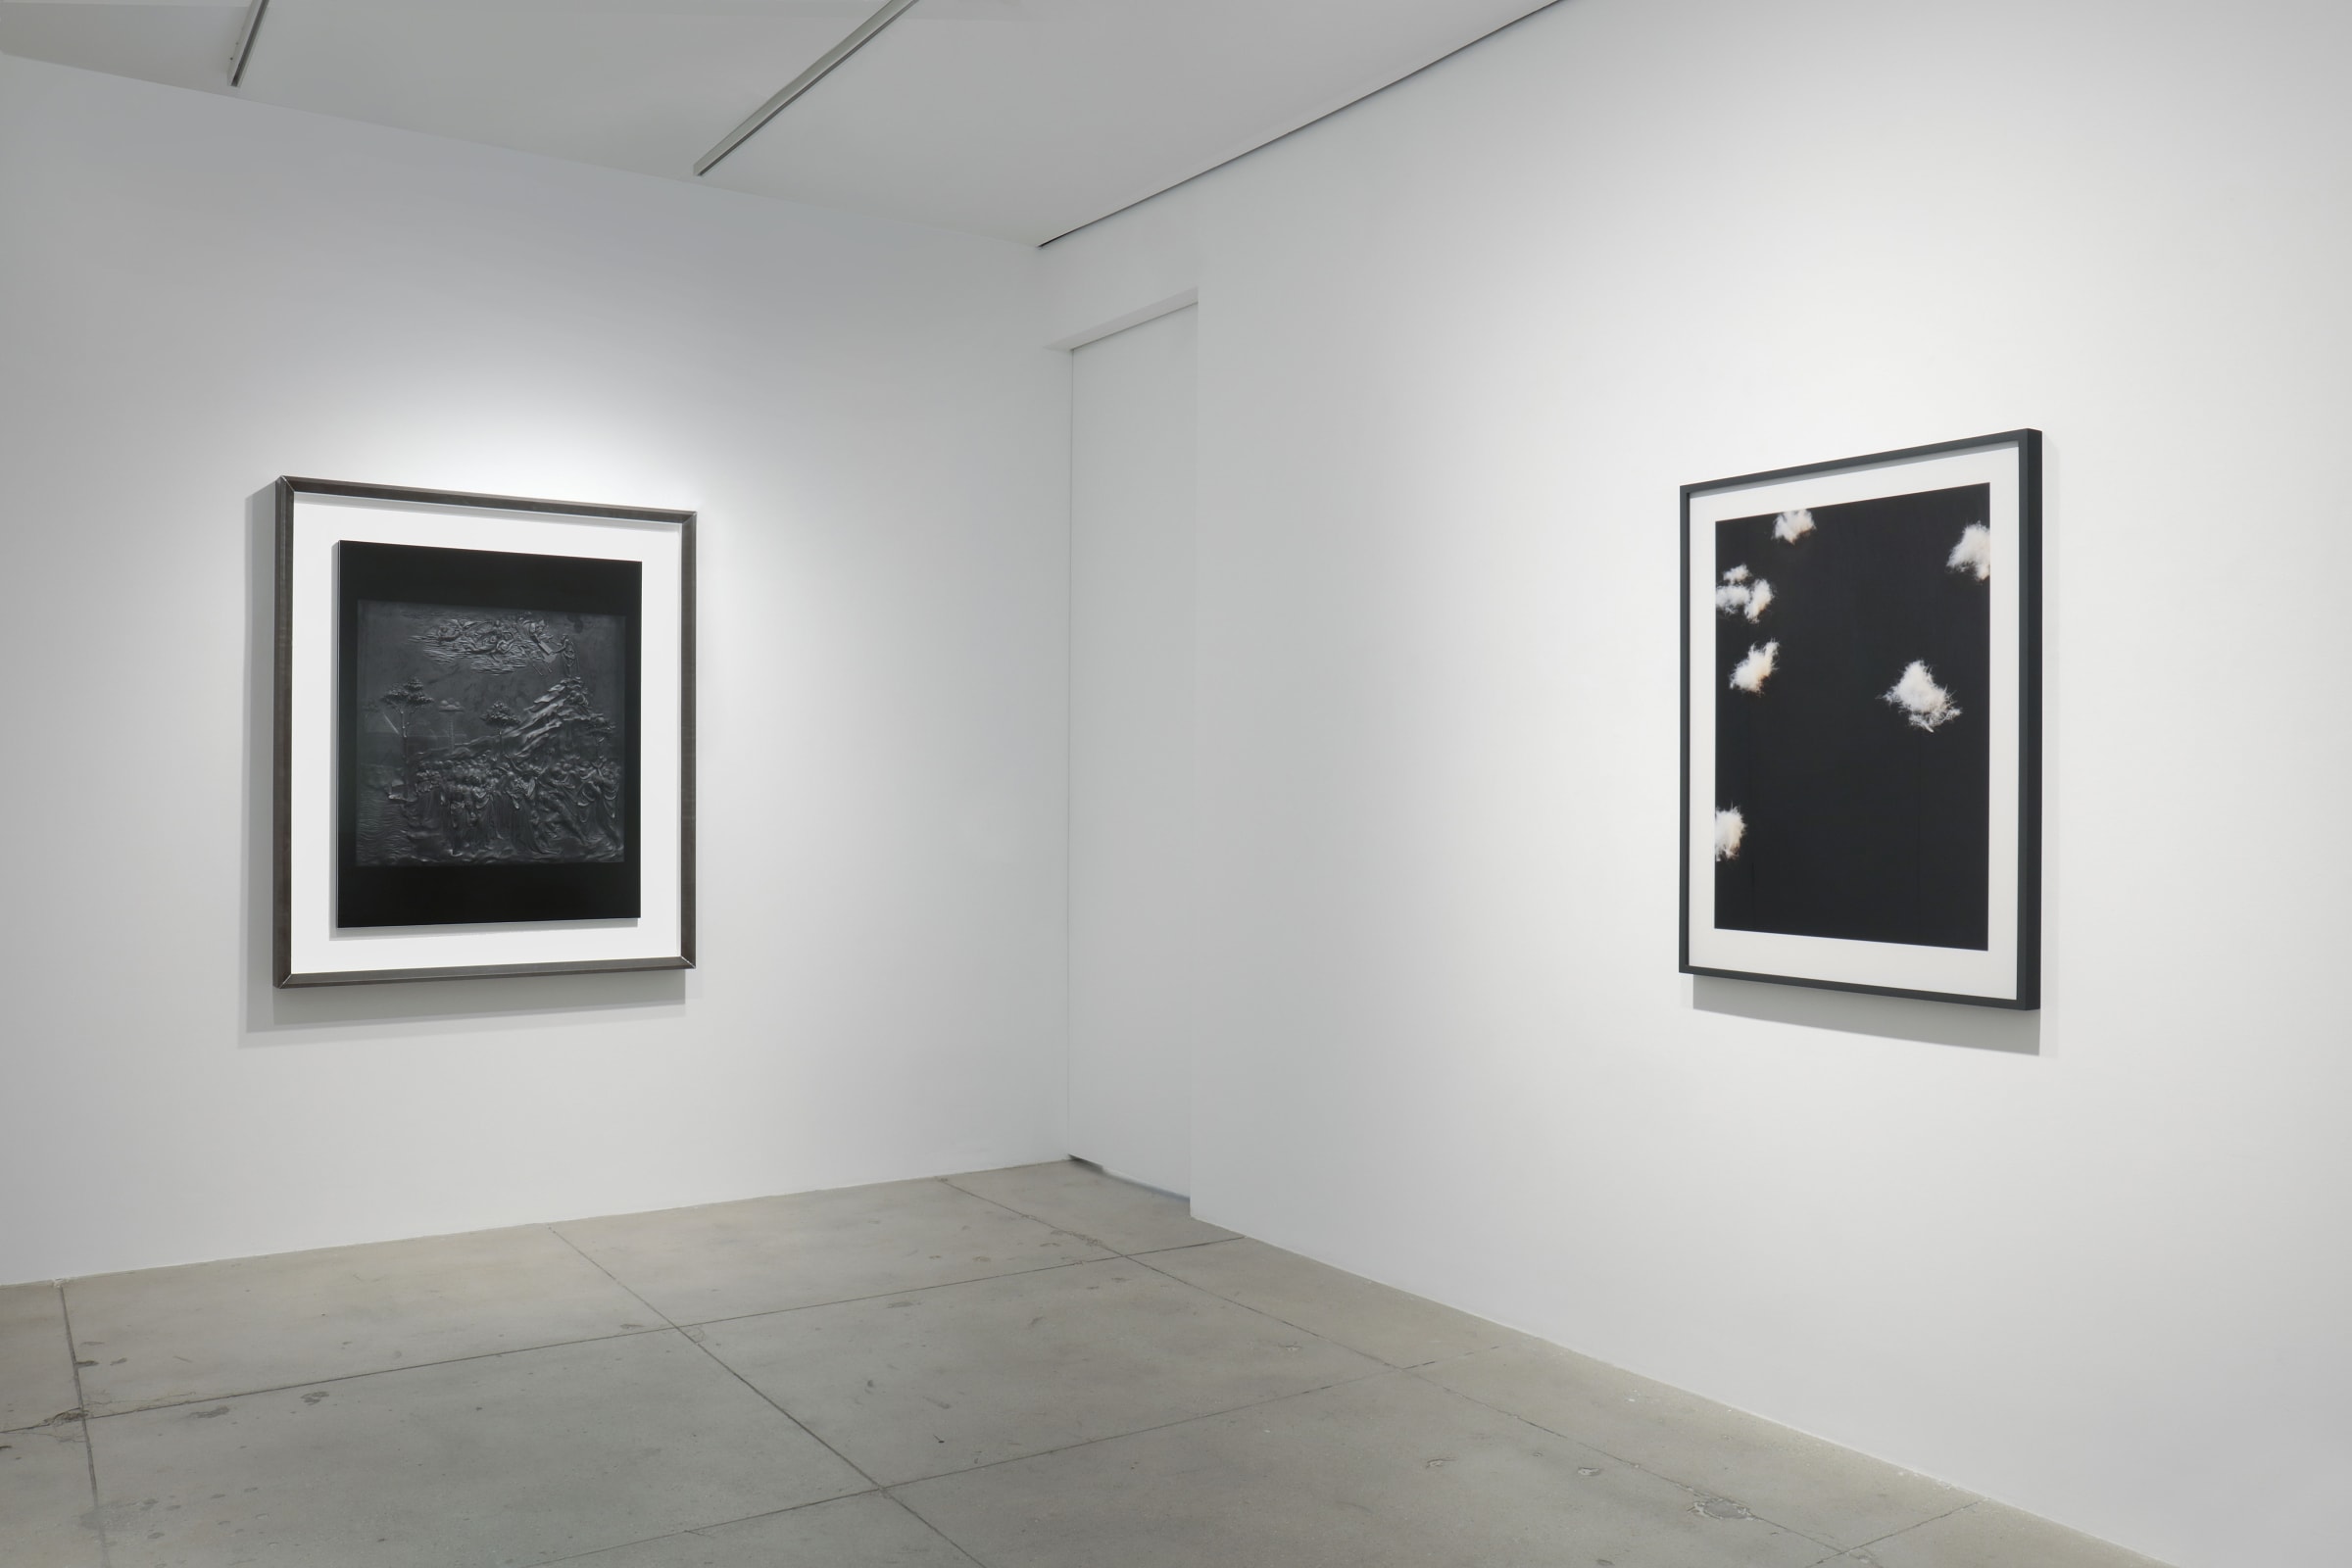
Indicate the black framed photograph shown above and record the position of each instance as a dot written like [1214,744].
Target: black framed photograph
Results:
[1861,723]
[484,735]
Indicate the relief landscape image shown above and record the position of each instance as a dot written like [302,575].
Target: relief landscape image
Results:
[489,737]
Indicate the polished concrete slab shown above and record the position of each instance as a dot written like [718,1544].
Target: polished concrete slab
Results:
[915,1385]
[1831,1494]
[998,1369]
[47,1513]
[1389,1472]
[1116,1215]
[522,1457]
[1986,1535]
[36,1360]
[871,1531]
[168,1336]
[695,1265]
[1398,1329]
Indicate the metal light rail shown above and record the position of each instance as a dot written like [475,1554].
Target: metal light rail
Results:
[244,49]
[858,39]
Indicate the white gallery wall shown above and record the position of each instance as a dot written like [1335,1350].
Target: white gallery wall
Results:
[1457,349]
[1133,459]
[198,295]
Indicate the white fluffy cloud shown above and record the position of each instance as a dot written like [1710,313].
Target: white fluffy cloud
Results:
[1973,552]
[1926,703]
[1730,828]
[1793,525]
[1735,595]
[1756,668]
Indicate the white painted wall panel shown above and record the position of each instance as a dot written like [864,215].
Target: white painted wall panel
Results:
[1132,846]
[1463,343]
[197,295]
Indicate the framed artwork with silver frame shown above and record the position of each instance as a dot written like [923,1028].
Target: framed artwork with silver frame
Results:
[1862,724]
[485,736]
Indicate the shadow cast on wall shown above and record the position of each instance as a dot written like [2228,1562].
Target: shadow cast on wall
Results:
[1935,1023]
[515,1000]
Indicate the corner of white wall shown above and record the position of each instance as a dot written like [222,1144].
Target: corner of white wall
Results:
[198,294]
[1459,346]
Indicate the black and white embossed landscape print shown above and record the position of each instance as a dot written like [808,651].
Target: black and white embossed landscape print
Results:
[463,762]
[488,710]
[1860,725]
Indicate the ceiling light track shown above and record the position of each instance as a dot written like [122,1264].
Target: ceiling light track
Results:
[244,49]
[863,34]
[1246,152]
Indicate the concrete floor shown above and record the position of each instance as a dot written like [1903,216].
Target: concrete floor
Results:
[1030,1368]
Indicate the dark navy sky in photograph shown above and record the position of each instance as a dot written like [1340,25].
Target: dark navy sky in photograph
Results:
[1858,824]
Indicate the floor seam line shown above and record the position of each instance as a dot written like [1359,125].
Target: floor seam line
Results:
[1654,1474]
[1613,1456]
[383,1371]
[680,1330]
[1160,1426]
[89,1447]
[697,1530]
[1385,1364]
[960,1549]
[1097,1241]
[1215,1240]
[884,1296]
[871,1485]
[666,1325]
[617,1280]
[1090,1241]
[1568,1437]
[1922,1525]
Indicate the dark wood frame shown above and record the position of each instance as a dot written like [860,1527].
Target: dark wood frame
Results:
[282,714]
[2028,443]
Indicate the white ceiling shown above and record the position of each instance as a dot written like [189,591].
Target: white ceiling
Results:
[1022,118]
